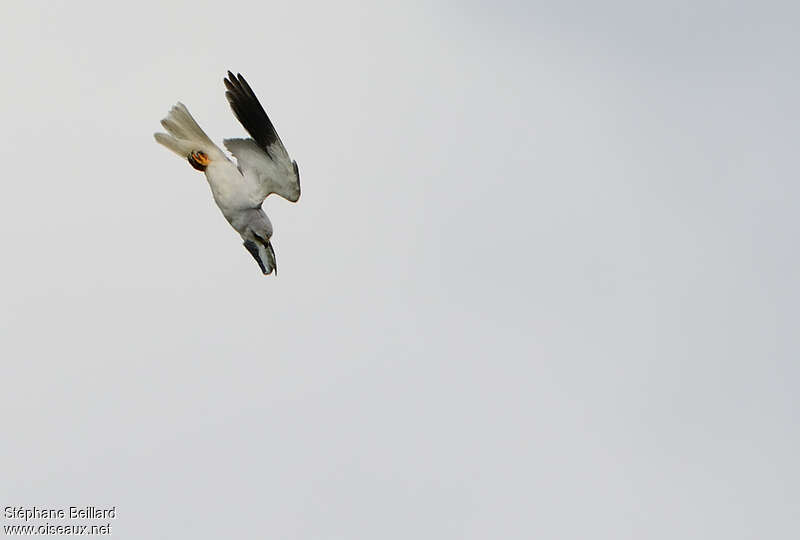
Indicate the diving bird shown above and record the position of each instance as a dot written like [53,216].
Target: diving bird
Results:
[263,166]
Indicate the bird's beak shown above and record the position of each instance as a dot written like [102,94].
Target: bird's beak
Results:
[271,255]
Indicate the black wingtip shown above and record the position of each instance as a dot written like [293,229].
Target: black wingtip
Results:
[230,82]
[248,111]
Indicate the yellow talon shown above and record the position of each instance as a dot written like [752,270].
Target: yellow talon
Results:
[198,160]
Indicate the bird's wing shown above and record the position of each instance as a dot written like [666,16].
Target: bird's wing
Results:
[263,157]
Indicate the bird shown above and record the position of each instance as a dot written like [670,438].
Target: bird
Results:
[263,166]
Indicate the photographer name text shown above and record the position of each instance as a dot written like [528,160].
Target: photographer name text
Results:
[27,513]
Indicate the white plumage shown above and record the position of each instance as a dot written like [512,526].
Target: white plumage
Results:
[264,166]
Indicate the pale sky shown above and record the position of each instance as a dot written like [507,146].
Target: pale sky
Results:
[542,281]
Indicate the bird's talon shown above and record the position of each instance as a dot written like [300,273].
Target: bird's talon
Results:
[198,160]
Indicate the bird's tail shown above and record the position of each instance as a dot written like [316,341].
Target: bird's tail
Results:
[183,135]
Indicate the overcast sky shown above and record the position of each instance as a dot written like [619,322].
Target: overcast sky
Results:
[542,281]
